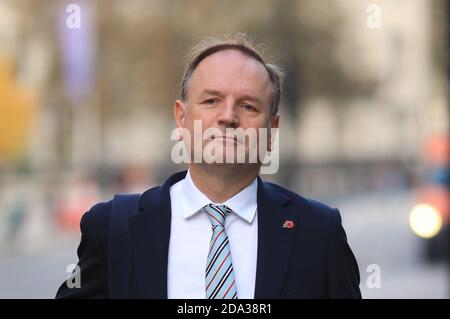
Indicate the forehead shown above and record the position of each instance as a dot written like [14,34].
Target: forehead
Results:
[232,72]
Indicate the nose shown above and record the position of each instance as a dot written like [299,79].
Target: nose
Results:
[228,116]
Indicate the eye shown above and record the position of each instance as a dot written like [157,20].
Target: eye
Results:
[248,107]
[210,101]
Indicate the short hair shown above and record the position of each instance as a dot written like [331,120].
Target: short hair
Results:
[239,41]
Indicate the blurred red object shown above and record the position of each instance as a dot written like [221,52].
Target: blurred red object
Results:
[437,150]
[78,197]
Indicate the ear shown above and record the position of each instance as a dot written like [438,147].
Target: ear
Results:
[179,110]
[275,123]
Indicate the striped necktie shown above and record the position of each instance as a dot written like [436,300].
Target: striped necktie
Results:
[220,283]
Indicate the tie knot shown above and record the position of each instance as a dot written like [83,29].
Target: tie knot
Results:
[217,214]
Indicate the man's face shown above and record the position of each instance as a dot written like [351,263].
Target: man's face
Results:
[228,89]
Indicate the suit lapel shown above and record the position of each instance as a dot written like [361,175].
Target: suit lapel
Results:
[150,234]
[274,241]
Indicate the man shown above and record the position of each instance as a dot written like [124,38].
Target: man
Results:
[218,230]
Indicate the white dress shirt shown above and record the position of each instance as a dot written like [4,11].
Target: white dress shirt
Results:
[190,235]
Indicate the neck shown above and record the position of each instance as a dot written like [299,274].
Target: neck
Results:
[221,182]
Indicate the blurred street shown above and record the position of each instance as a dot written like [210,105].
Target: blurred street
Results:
[87,95]
[377,229]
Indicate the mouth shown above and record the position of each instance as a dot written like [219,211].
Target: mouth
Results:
[225,138]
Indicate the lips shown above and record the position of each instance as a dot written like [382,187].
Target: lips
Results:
[225,138]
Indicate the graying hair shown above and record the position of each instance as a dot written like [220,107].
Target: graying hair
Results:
[239,41]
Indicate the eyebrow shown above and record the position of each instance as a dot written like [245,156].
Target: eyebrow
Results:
[211,92]
[221,94]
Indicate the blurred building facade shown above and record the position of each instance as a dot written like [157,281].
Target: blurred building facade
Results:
[359,102]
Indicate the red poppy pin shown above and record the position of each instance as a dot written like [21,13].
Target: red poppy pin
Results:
[288,224]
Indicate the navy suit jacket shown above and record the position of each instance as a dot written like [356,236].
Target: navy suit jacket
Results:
[312,259]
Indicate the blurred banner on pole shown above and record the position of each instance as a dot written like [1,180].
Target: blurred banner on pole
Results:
[77,49]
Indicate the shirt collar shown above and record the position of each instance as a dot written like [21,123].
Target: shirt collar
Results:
[243,204]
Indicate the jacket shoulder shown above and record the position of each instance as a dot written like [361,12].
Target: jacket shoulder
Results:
[100,211]
[98,219]
[298,200]
[317,216]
